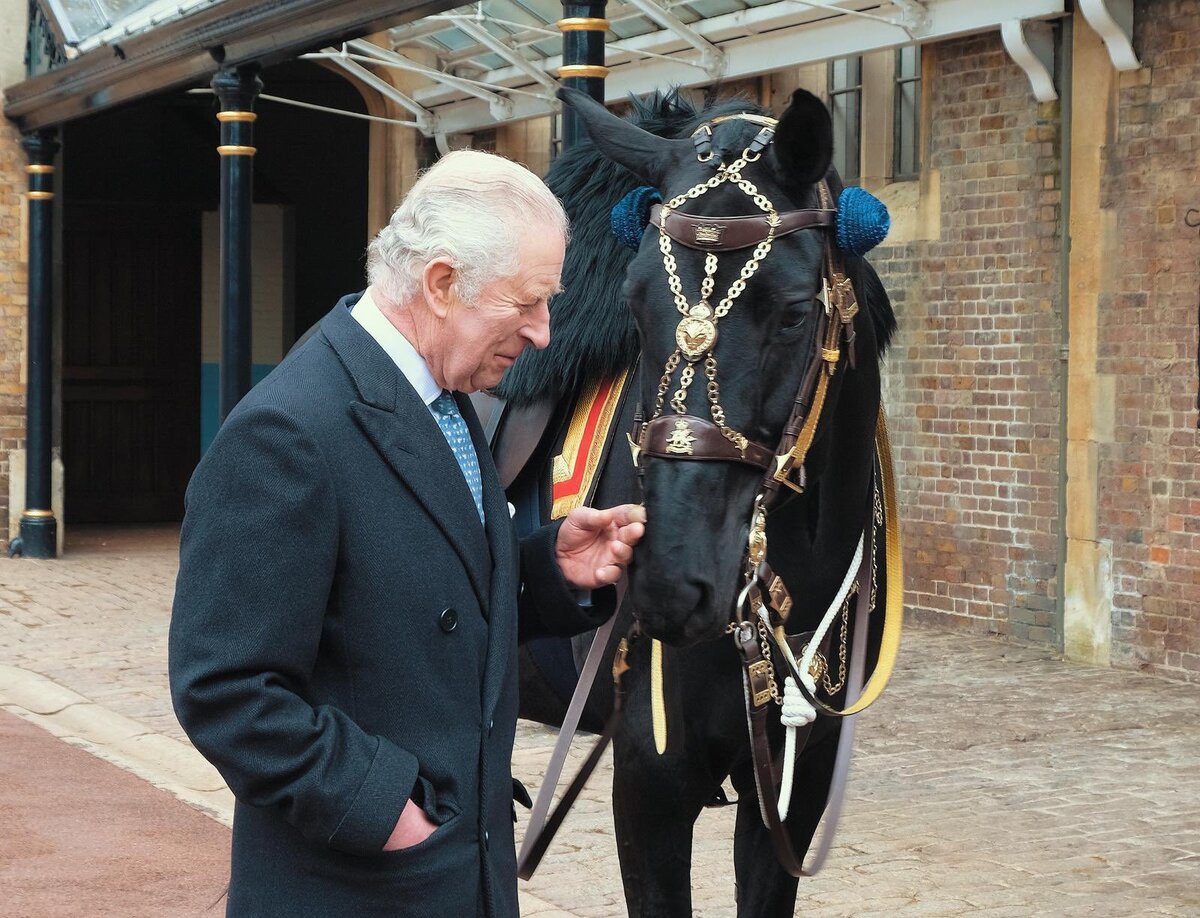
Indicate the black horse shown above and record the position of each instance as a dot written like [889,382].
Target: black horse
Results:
[618,314]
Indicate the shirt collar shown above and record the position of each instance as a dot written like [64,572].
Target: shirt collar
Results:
[403,354]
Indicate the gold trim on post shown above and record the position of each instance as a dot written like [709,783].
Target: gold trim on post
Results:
[39,195]
[237,116]
[236,150]
[39,169]
[582,70]
[582,24]
[38,514]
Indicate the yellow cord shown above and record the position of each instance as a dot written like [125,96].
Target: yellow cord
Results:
[657,706]
[894,604]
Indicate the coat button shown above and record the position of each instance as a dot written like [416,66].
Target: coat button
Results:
[448,620]
[485,838]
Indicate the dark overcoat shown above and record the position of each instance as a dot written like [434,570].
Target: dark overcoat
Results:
[344,636]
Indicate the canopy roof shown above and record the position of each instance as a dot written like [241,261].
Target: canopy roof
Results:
[497,60]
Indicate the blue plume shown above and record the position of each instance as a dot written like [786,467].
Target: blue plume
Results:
[631,214]
[862,221]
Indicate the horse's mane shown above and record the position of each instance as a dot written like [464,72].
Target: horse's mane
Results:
[593,335]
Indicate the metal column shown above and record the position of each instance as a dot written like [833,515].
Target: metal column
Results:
[39,529]
[237,88]
[583,26]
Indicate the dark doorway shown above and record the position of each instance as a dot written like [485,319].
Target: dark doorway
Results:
[131,360]
[141,187]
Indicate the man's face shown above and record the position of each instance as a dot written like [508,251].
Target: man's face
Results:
[483,339]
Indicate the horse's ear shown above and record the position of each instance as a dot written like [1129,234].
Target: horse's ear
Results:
[646,155]
[803,144]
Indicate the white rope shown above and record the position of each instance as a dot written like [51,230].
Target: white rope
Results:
[834,608]
[797,712]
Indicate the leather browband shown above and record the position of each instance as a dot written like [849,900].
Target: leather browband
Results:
[698,438]
[725,234]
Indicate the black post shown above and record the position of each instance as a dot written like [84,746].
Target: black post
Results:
[583,26]
[39,529]
[237,88]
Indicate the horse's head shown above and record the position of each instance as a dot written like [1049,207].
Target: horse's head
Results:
[738,356]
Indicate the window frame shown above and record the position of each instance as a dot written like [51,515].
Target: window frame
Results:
[913,149]
[835,93]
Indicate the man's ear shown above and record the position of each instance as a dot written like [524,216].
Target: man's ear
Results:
[437,283]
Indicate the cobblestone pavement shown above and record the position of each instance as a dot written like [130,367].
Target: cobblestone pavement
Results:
[990,780]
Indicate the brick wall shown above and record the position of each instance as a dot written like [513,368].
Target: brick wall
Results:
[1149,484]
[12,307]
[972,382]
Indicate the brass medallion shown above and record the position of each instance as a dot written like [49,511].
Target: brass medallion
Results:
[696,333]
[681,439]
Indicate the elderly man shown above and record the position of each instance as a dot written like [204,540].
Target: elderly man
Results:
[344,638]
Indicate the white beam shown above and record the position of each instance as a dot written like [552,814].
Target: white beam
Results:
[1031,46]
[426,121]
[713,59]
[499,107]
[486,38]
[1113,21]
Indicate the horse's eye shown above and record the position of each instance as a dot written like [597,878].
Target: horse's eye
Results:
[795,314]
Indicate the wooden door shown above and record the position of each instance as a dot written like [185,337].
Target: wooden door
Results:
[131,360]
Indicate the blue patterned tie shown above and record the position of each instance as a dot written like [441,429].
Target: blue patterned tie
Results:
[450,420]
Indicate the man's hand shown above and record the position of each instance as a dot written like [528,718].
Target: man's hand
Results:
[412,828]
[595,545]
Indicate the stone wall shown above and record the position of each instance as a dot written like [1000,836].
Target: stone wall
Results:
[972,381]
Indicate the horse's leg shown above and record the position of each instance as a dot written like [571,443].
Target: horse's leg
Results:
[764,888]
[656,800]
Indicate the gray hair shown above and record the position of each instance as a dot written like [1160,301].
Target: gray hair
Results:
[470,207]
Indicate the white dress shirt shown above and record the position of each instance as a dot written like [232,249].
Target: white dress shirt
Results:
[403,354]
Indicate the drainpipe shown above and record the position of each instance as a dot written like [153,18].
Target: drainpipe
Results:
[1064,358]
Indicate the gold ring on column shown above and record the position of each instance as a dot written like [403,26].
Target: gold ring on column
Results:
[582,24]
[582,70]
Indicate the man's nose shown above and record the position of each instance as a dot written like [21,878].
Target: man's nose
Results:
[538,329]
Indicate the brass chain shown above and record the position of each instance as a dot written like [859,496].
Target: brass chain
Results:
[765,649]
[685,380]
[714,406]
[877,519]
[665,382]
[732,174]
[830,688]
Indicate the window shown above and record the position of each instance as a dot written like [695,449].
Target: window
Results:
[845,105]
[906,140]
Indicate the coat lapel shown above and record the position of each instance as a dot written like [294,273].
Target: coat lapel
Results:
[505,567]
[404,432]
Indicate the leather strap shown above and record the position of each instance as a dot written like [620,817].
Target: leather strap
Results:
[537,834]
[532,852]
[685,436]
[758,703]
[841,764]
[727,234]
